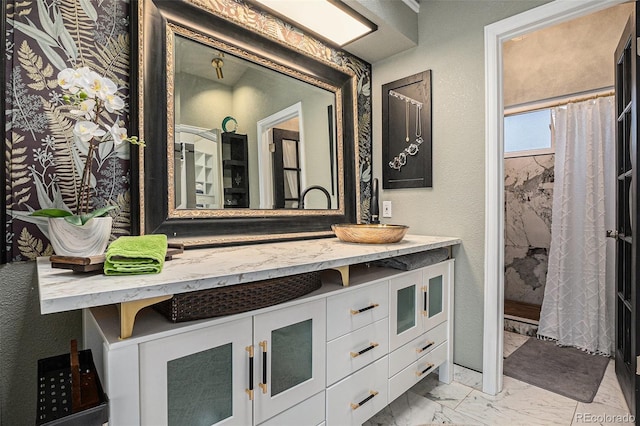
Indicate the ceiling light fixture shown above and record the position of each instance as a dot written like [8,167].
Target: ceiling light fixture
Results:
[217,63]
[331,20]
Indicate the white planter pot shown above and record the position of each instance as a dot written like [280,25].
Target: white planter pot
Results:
[90,239]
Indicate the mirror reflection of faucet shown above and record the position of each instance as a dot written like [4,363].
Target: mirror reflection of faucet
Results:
[318,187]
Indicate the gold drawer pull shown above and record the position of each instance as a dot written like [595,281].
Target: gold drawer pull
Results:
[424,348]
[355,406]
[359,311]
[249,390]
[367,349]
[263,385]
[420,373]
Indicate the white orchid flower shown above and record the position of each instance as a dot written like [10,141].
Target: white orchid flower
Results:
[67,78]
[107,88]
[91,83]
[100,87]
[73,80]
[87,130]
[113,103]
[119,134]
[87,109]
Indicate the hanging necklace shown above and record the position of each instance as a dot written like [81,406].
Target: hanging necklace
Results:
[401,159]
[406,120]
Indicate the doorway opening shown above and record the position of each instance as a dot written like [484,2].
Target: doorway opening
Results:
[495,35]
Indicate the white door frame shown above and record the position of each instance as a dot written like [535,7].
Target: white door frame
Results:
[265,166]
[494,35]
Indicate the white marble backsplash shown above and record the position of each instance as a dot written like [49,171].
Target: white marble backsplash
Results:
[528,203]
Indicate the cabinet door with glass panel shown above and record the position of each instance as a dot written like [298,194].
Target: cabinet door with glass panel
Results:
[435,294]
[418,302]
[197,378]
[289,357]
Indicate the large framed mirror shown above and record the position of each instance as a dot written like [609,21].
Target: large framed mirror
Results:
[249,138]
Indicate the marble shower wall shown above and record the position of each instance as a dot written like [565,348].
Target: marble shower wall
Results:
[528,202]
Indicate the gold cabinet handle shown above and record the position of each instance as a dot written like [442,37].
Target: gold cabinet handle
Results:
[367,349]
[359,311]
[263,385]
[420,373]
[424,348]
[249,390]
[355,406]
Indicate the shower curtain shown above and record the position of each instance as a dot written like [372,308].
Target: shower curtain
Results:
[577,309]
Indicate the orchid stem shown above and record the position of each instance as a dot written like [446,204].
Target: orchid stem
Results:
[85,182]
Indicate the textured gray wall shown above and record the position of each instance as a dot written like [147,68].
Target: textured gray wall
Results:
[451,44]
[25,337]
[578,56]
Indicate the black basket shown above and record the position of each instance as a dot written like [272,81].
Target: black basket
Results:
[55,392]
[238,298]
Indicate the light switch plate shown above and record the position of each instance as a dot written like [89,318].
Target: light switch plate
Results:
[386,209]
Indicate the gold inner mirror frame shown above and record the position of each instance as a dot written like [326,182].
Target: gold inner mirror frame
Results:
[171,31]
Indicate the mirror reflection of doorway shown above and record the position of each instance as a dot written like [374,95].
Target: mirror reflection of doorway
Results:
[286,168]
[272,175]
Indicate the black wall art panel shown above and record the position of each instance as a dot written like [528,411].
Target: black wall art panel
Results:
[406,132]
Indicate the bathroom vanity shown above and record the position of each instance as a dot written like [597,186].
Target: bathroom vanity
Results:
[335,356]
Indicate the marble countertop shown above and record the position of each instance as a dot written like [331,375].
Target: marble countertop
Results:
[63,290]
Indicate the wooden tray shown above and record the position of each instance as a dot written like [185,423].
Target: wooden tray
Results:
[96,263]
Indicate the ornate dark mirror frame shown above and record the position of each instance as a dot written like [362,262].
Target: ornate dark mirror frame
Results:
[246,28]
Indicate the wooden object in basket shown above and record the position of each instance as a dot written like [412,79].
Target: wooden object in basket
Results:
[96,263]
[84,391]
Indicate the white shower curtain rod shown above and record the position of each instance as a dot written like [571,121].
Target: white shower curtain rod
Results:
[558,101]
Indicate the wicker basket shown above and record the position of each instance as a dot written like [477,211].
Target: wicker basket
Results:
[238,298]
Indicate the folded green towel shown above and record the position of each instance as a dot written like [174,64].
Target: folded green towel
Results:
[143,254]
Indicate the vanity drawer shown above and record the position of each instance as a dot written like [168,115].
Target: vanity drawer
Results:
[357,398]
[417,371]
[357,349]
[417,348]
[356,309]
[311,410]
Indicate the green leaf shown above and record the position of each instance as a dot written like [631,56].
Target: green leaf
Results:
[89,10]
[65,38]
[45,19]
[74,220]
[56,60]
[35,33]
[51,213]
[96,213]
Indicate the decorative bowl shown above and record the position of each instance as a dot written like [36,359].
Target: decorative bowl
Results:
[369,233]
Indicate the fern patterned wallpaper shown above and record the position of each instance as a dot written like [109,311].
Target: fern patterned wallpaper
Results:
[46,36]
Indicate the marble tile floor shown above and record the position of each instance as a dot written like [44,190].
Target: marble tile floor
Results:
[463,403]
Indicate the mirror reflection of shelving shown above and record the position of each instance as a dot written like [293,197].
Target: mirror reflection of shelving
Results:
[235,170]
[197,174]
[205,196]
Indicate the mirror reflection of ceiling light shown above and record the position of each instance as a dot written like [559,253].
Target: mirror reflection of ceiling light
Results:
[217,63]
[330,19]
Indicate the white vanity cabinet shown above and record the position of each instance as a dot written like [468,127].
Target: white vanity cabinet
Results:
[421,326]
[197,377]
[335,357]
[357,349]
[289,360]
[238,372]
[419,301]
